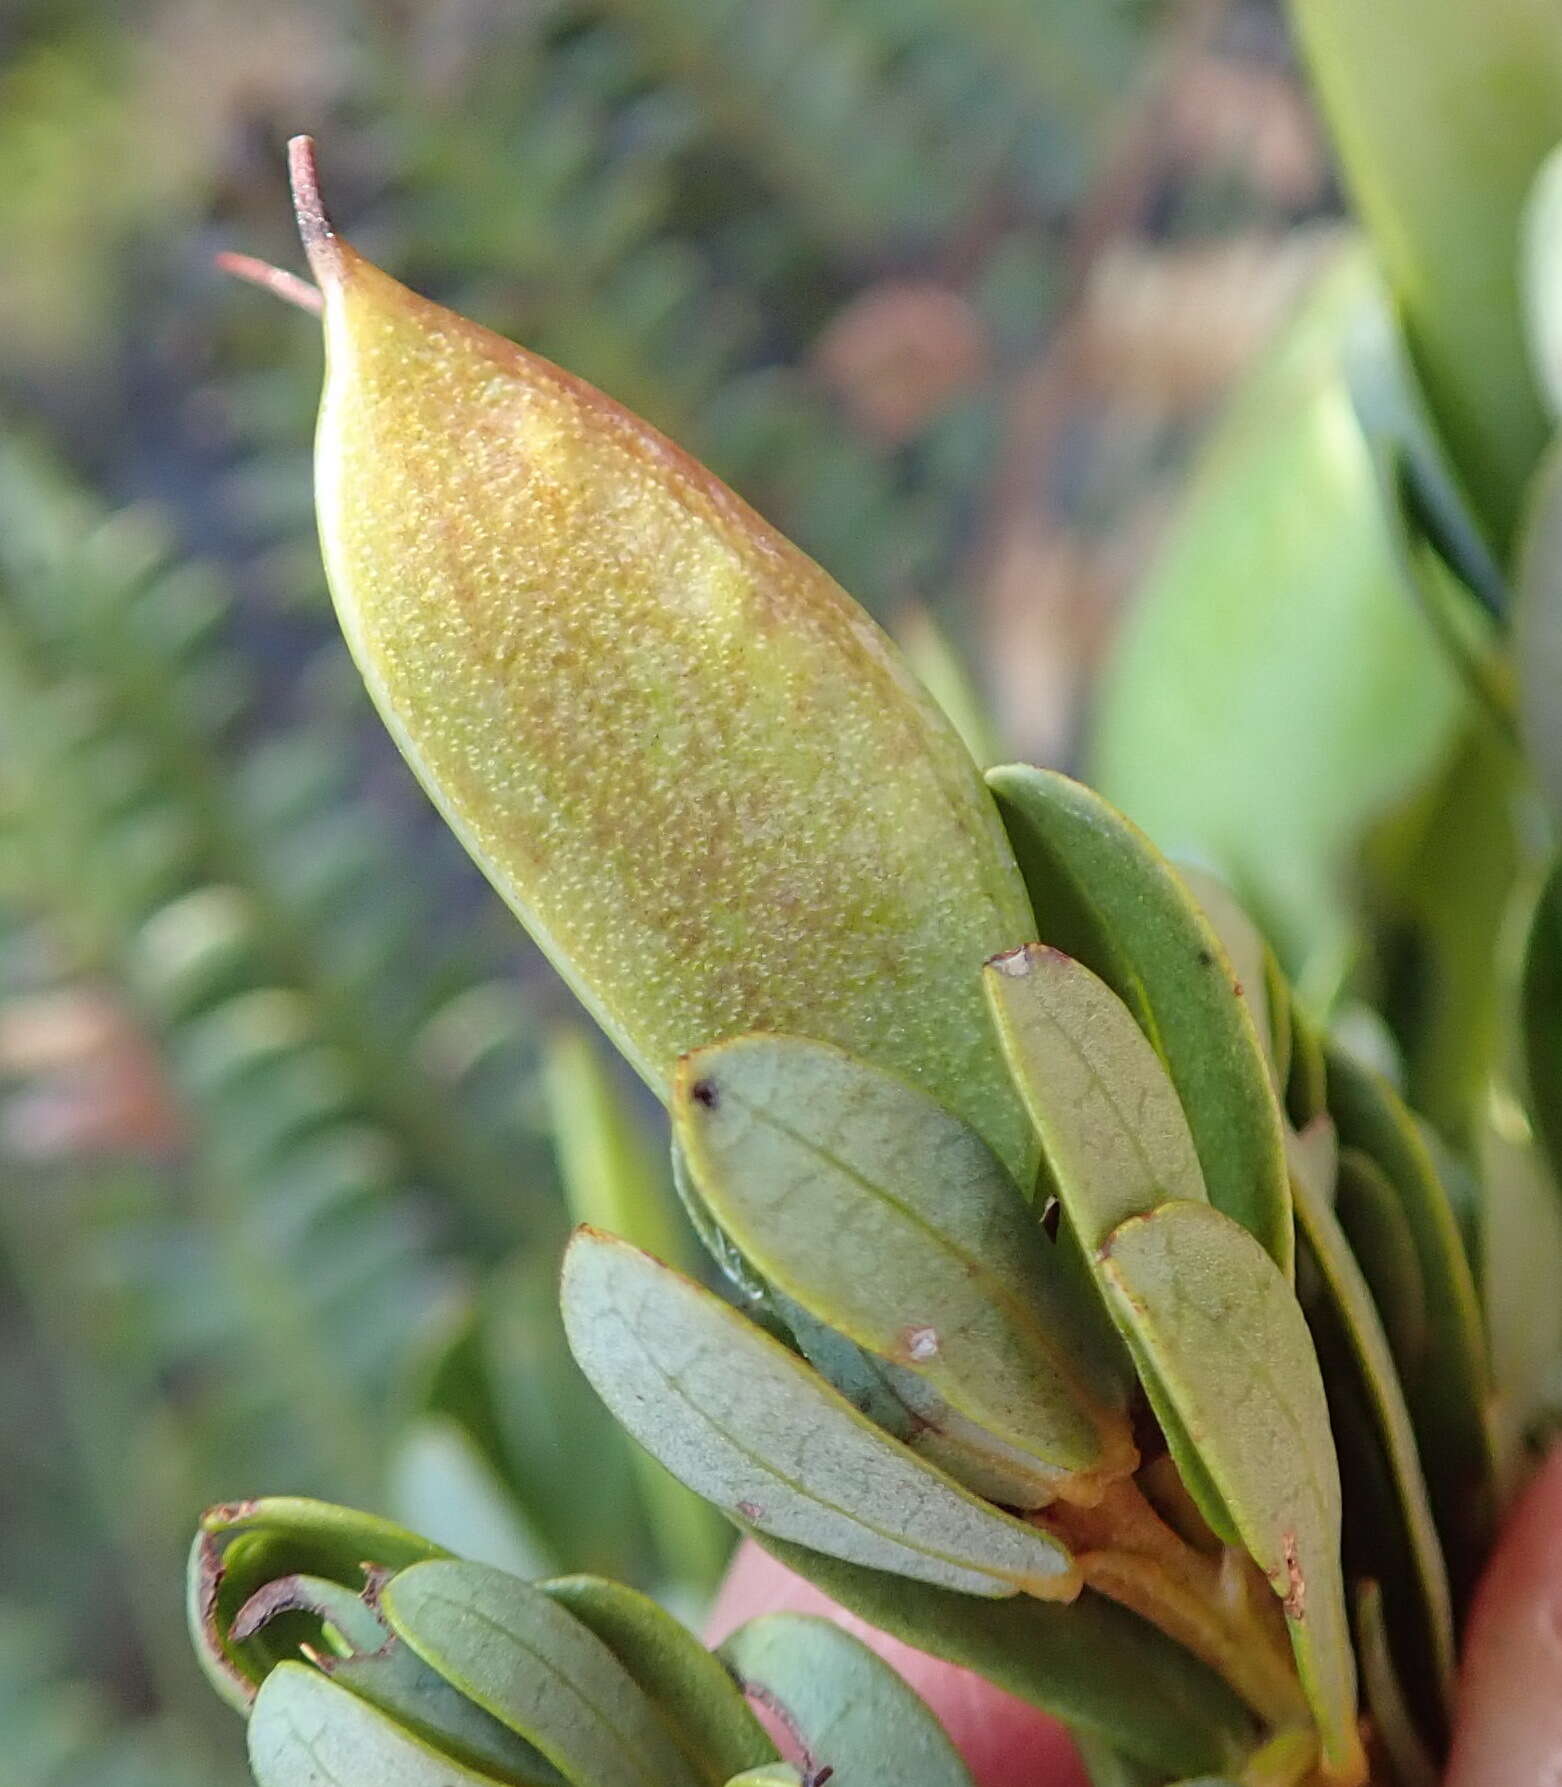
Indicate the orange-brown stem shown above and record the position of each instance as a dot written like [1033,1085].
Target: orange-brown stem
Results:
[1125,1550]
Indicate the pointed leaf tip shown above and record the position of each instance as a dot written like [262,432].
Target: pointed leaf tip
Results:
[314,226]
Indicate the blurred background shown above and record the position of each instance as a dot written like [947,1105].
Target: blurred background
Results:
[292,1119]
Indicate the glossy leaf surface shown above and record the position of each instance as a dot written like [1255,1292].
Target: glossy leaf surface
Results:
[739,1418]
[1441,187]
[1274,602]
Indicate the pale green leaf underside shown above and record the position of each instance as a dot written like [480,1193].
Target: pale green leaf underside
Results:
[304,1731]
[515,1652]
[707,1714]
[1103,893]
[1232,1347]
[748,1424]
[1093,1665]
[890,1219]
[1112,1130]
[849,1708]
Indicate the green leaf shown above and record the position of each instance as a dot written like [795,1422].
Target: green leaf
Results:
[522,1658]
[1381,1241]
[1412,464]
[768,1774]
[1537,627]
[397,1681]
[1109,898]
[1448,1397]
[1107,1768]
[1112,1130]
[739,1418]
[305,1731]
[1274,604]
[1092,1664]
[908,1407]
[242,1546]
[613,1180]
[1113,1134]
[442,1483]
[1540,994]
[1542,278]
[1257,974]
[1521,1242]
[1209,1307]
[1440,188]
[708,1717]
[890,1219]
[1443,873]
[849,1710]
[1391,1718]
[1367,1344]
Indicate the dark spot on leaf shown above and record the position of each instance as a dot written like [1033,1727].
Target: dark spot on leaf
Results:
[1236,987]
[704,1092]
[1206,958]
[751,1510]
[1295,1598]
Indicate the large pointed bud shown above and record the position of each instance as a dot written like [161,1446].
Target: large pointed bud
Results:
[701,776]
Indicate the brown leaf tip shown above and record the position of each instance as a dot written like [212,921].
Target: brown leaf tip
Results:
[314,226]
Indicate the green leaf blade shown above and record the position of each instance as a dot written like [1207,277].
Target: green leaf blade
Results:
[890,1219]
[706,1713]
[850,1710]
[517,1654]
[307,1732]
[1232,1347]
[1108,898]
[739,1418]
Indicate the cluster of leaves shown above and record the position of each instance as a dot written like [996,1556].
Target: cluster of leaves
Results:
[1208,1466]
[279,1199]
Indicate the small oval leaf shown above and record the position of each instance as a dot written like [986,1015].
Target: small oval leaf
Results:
[739,1418]
[890,1219]
[1113,1133]
[707,1715]
[1109,898]
[849,1710]
[1233,1350]
[1092,1664]
[305,1731]
[517,1654]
